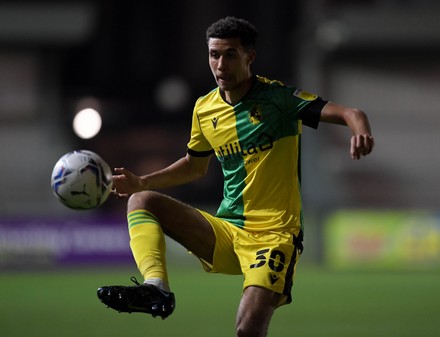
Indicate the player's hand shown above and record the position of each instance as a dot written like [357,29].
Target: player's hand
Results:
[361,145]
[125,183]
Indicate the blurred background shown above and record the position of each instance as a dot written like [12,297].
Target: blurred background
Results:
[142,64]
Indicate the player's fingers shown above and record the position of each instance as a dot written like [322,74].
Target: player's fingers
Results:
[119,170]
[366,144]
[370,143]
[118,194]
[117,173]
[361,145]
[125,172]
[122,173]
[354,149]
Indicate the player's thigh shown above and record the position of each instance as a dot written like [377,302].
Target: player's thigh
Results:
[179,221]
[268,260]
[224,259]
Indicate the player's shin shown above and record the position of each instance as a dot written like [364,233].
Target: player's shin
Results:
[147,244]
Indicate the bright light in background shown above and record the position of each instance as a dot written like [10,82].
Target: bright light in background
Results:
[87,123]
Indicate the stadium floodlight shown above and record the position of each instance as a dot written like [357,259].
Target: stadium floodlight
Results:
[87,123]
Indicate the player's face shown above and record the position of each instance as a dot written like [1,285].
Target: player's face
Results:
[230,63]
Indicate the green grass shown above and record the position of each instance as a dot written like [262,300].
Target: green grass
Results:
[63,303]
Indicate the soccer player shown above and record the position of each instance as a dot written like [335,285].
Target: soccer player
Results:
[253,126]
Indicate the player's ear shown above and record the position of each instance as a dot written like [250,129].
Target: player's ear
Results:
[252,54]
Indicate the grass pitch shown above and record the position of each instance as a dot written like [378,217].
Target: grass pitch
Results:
[64,303]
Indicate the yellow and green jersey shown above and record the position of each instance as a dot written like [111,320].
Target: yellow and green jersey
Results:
[257,142]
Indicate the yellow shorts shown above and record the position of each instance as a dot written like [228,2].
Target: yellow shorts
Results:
[266,259]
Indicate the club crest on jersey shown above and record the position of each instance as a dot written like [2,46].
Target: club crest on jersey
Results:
[255,115]
[306,96]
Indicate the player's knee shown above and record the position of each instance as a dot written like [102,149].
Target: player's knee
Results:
[142,200]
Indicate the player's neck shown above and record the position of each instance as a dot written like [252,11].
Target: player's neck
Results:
[236,95]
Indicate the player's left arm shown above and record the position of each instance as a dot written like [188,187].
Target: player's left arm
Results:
[362,141]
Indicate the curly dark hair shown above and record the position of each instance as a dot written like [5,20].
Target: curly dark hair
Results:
[231,27]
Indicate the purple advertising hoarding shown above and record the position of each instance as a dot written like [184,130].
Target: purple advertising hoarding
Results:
[63,242]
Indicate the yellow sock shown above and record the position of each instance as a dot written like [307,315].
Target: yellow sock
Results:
[147,243]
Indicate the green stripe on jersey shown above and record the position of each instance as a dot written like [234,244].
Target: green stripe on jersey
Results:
[257,144]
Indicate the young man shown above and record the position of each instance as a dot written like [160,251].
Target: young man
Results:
[253,126]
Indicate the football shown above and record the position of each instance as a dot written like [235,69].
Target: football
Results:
[81,180]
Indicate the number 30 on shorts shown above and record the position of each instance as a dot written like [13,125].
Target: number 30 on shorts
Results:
[276,262]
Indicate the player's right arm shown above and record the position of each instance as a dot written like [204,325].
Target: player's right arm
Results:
[183,171]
